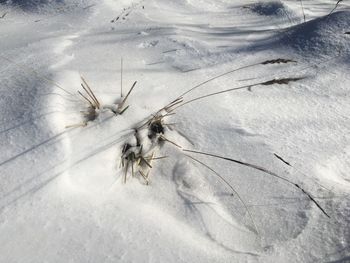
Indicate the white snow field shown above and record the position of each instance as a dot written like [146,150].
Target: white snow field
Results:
[62,192]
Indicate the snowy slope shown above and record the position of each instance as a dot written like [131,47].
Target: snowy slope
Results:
[62,191]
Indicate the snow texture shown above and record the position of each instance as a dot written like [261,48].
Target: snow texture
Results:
[62,191]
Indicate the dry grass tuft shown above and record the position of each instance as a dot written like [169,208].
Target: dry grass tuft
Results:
[94,108]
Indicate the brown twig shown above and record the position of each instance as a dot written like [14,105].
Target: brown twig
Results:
[90,92]
[127,95]
[92,105]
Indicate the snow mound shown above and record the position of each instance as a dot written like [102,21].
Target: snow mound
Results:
[322,36]
[273,8]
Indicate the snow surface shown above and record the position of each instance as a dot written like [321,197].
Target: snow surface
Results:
[62,196]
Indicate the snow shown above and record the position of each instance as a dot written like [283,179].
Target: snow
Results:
[62,191]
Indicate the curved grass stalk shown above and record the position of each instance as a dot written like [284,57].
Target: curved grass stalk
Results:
[266,62]
[264,170]
[265,83]
[229,185]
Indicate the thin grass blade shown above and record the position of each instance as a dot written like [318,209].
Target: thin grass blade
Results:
[127,95]
[262,169]
[92,93]
[229,185]
[279,60]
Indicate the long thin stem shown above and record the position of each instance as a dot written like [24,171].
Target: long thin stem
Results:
[167,140]
[150,162]
[92,94]
[157,158]
[264,170]
[302,8]
[126,171]
[146,162]
[88,93]
[274,61]
[121,77]
[172,104]
[92,105]
[265,83]
[157,116]
[144,176]
[287,163]
[132,169]
[335,7]
[229,185]
[215,93]
[127,95]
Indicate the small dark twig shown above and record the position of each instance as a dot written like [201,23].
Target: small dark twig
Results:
[287,163]
[335,7]
[280,158]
